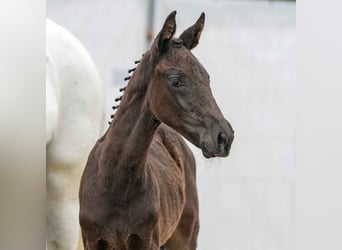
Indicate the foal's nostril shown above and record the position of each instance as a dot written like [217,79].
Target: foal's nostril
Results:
[222,140]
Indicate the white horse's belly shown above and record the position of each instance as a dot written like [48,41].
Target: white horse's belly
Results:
[74,121]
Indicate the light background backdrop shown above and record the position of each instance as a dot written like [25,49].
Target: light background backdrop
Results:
[247,201]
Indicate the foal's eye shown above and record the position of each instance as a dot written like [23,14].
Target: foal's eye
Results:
[175,82]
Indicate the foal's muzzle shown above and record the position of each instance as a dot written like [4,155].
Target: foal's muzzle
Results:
[217,142]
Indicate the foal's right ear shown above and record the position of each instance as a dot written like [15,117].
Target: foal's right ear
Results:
[167,32]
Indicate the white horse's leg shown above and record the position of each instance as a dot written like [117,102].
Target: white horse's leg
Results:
[74,121]
[63,208]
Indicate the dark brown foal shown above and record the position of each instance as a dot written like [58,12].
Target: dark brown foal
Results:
[138,190]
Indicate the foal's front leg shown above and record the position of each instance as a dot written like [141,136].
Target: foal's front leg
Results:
[185,235]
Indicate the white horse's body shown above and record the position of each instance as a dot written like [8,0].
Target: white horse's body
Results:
[74,120]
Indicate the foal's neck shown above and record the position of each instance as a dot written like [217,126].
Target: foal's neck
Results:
[126,143]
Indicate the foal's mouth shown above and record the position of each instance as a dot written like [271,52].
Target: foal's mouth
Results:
[208,153]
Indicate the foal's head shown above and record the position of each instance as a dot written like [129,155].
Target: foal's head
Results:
[179,93]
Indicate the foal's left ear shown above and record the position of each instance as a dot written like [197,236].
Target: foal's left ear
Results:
[167,32]
[192,35]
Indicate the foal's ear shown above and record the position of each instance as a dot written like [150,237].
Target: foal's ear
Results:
[192,35]
[166,34]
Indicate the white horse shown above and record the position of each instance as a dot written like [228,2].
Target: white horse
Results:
[74,120]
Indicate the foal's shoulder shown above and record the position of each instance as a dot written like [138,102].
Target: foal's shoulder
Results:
[175,145]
